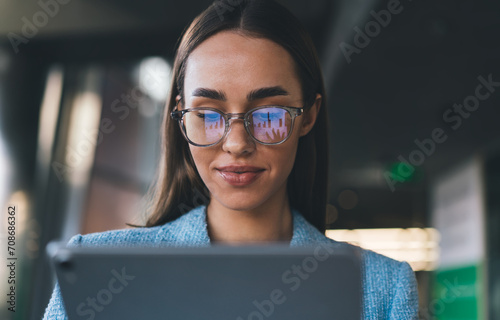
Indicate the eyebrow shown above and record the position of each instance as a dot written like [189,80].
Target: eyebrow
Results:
[253,95]
[267,92]
[209,93]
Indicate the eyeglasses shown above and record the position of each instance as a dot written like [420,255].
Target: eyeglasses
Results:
[205,127]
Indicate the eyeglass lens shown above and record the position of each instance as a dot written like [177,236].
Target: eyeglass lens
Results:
[267,125]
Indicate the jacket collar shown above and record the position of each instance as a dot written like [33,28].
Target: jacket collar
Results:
[191,230]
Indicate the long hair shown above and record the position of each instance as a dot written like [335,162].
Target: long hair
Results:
[179,187]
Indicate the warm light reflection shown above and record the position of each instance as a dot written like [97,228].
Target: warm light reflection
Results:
[417,246]
[48,114]
[83,135]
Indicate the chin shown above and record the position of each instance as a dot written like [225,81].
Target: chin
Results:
[241,202]
[242,206]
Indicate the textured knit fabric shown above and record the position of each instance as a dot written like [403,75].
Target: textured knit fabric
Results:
[389,286]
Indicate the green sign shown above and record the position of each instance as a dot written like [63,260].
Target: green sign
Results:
[458,293]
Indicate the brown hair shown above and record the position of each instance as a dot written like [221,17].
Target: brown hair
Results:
[179,185]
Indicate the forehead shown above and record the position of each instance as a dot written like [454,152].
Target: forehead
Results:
[233,62]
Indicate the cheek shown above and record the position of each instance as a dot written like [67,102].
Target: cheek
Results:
[290,158]
[282,157]
[200,157]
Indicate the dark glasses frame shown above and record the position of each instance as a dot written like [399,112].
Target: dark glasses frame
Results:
[179,115]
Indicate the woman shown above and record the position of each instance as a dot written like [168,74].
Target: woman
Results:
[245,128]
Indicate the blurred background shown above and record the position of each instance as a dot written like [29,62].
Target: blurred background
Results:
[413,102]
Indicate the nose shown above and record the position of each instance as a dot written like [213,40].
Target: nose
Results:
[237,140]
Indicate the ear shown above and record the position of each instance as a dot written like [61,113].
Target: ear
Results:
[309,116]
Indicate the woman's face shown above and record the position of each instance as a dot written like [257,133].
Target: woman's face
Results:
[221,73]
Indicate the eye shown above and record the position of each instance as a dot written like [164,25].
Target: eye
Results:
[208,116]
[268,114]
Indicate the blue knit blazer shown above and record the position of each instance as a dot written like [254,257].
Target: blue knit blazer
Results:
[389,286]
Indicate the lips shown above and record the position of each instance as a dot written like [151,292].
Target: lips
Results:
[239,175]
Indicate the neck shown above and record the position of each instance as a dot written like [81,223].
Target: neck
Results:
[268,223]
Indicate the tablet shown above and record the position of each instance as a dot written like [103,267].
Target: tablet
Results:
[217,283]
